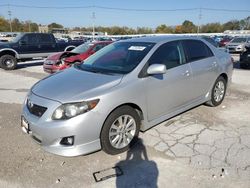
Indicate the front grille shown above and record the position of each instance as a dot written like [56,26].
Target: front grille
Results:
[35,109]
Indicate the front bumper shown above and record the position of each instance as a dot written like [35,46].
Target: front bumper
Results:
[234,49]
[48,133]
[50,68]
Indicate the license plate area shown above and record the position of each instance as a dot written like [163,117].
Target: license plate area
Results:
[25,125]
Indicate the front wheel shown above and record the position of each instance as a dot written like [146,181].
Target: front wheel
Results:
[120,130]
[218,92]
[8,62]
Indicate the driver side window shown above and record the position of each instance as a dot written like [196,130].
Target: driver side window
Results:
[169,54]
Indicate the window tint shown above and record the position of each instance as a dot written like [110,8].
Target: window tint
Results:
[169,54]
[196,50]
[45,39]
[30,38]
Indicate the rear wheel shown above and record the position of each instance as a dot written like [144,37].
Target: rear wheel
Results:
[120,130]
[218,92]
[8,62]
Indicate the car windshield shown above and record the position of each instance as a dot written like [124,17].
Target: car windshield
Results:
[120,58]
[82,48]
[18,37]
[239,40]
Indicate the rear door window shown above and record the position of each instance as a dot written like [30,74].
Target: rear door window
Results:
[45,39]
[196,50]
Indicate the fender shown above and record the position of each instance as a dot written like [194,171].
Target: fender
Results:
[10,49]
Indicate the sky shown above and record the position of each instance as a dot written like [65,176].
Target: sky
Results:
[103,17]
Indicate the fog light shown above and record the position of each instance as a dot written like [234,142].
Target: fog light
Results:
[67,141]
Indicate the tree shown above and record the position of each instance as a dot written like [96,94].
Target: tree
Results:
[4,24]
[178,29]
[164,29]
[144,30]
[188,27]
[212,28]
[231,25]
[54,25]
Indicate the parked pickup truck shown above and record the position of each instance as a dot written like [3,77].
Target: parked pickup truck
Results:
[27,46]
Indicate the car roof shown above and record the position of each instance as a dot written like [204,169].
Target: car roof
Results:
[158,39]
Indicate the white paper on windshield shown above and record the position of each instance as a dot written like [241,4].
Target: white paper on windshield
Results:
[137,48]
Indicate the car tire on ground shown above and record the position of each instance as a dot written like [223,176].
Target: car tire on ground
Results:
[218,92]
[120,130]
[8,62]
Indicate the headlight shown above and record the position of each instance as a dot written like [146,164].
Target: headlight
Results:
[49,62]
[69,110]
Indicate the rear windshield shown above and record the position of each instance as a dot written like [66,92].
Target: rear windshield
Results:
[82,48]
[119,57]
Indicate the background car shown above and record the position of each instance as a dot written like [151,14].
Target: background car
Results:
[63,60]
[225,41]
[237,45]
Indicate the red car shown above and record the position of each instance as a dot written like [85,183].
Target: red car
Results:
[224,41]
[63,60]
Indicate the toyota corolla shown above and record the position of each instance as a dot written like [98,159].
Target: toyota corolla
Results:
[125,87]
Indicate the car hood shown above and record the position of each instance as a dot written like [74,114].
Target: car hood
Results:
[74,85]
[55,56]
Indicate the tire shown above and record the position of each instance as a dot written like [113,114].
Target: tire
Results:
[112,130]
[8,62]
[219,87]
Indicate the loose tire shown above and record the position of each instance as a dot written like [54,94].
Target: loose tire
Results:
[8,62]
[218,92]
[120,130]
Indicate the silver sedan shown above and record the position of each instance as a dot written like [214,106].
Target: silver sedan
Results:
[126,87]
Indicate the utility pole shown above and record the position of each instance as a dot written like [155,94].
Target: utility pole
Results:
[9,13]
[93,25]
[199,22]
[29,26]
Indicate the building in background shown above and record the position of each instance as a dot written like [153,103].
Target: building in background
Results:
[43,29]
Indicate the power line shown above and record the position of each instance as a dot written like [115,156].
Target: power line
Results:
[122,9]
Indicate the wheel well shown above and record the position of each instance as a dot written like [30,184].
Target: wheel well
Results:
[136,107]
[224,76]
[8,52]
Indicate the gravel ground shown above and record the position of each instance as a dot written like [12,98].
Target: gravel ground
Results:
[203,147]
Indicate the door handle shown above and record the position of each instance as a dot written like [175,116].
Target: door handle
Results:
[186,73]
[214,64]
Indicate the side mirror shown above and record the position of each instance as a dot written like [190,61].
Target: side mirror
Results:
[22,43]
[156,69]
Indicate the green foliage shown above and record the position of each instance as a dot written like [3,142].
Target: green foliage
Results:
[4,25]
[186,27]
